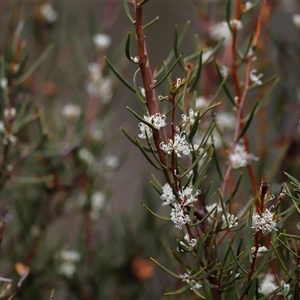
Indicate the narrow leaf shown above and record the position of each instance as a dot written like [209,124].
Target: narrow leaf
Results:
[122,79]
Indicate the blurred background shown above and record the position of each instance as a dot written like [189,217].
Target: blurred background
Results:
[72,185]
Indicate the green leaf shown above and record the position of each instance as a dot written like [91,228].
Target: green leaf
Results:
[293,179]
[180,291]
[156,215]
[122,79]
[198,73]
[35,65]
[165,269]
[147,156]
[127,48]
[151,22]
[244,129]
[126,7]
[167,74]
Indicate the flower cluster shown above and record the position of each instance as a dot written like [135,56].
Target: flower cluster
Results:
[229,220]
[68,260]
[192,282]
[178,216]
[186,197]
[98,85]
[255,78]
[158,120]
[191,243]
[264,222]
[188,121]
[179,145]
[167,196]
[239,157]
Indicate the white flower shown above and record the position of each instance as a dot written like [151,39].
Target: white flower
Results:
[71,111]
[248,5]
[101,41]
[192,282]
[191,243]
[236,24]
[86,156]
[178,216]
[167,195]
[255,78]
[179,145]
[260,250]
[111,161]
[229,220]
[97,85]
[135,59]
[225,120]
[3,83]
[2,127]
[68,260]
[9,113]
[188,121]
[201,102]
[48,13]
[296,20]
[240,158]
[264,222]
[213,207]
[158,120]
[207,55]
[186,195]
[224,71]
[268,285]
[97,202]
[220,31]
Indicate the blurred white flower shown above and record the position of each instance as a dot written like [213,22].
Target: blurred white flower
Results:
[296,20]
[224,71]
[9,113]
[220,31]
[98,199]
[236,24]
[48,13]
[207,55]
[268,285]
[3,83]
[255,78]
[102,41]
[248,5]
[260,250]
[2,127]
[225,120]
[86,156]
[111,161]
[97,85]
[201,102]
[240,158]
[71,111]
[97,134]
[67,262]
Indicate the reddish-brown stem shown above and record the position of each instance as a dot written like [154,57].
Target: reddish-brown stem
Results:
[147,78]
